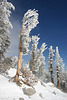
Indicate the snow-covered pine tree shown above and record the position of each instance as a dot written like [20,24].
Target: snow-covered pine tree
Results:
[30,21]
[37,62]
[41,71]
[59,67]
[34,51]
[4,26]
[50,62]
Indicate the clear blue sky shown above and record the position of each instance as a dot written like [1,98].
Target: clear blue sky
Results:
[52,24]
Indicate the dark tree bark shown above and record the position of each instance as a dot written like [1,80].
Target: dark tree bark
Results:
[58,83]
[51,72]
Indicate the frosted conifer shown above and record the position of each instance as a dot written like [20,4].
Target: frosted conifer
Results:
[5,24]
[34,51]
[59,67]
[50,63]
[37,62]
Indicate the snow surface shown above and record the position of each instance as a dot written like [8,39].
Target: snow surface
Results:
[10,91]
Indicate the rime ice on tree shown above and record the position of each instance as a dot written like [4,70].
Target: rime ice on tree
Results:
[30,21]
[34,51]
[50,62]
[4,26]
[37,62]
[59,67]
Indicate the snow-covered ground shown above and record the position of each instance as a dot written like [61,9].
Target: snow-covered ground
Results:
[10,91]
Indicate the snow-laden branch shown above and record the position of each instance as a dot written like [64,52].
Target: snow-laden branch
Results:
[43,47]
[35,40]
[30,21]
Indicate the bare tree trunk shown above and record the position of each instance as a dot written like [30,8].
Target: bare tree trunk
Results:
[19,57]
[51,73]
[58,83]
[51,69]
[32,67]
[25,82]
[19,60]
[52,77]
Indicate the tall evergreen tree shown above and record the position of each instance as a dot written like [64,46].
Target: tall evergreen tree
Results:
[59,67]
[4,26]
[37,62]
[34,51]
[50,62]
